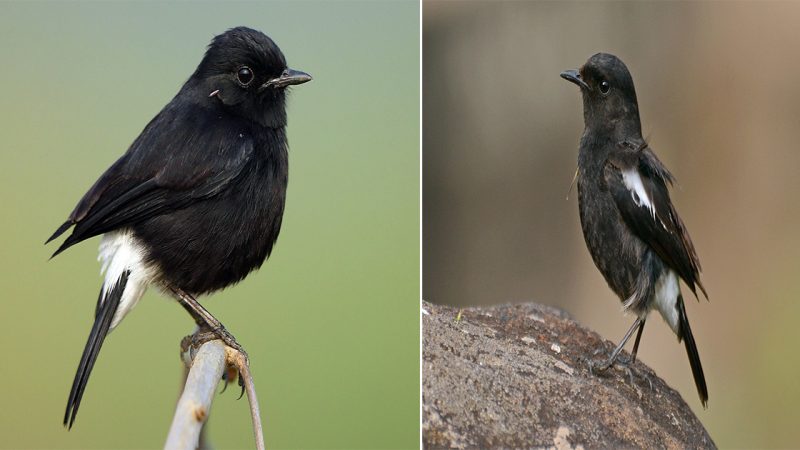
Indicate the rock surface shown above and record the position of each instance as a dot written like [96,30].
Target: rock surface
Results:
[515,376]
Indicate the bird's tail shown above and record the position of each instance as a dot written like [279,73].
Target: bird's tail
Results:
[107,307]
[691,352]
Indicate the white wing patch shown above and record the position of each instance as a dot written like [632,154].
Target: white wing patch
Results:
[633,181]
[666,298]
[121,252]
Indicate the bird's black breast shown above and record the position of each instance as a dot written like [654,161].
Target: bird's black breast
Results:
[616,252]
[216,241]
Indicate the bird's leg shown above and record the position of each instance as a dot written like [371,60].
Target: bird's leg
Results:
[636,342]
[209,328]
[614,354]
[632,359]
[633,354]
[206,321]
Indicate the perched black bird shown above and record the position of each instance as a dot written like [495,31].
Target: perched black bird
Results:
[196,202]
[632,230]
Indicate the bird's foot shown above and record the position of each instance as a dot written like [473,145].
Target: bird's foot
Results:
[238,359]
[596,367]
[231,342]
[602,365]
[205,334]
[633,373]
[615,360]
[237,366]
[623,363]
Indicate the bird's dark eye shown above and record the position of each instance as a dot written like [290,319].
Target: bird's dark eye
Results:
[244,75]
[604,87]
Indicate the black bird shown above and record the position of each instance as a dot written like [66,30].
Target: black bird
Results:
[634,234]
[196,202]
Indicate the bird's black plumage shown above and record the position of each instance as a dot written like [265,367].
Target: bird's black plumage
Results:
[632,230]
[196,202]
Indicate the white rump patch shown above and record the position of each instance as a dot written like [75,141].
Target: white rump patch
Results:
[666,298]
[633,181]
[121,252]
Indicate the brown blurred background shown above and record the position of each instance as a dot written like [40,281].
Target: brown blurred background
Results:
[719,96]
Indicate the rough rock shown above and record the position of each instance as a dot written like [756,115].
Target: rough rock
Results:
[516,376]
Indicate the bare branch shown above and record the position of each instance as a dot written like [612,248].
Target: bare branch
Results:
[207,364]
[192,411]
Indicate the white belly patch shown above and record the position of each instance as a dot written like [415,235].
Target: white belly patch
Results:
[121,252]
[666,298]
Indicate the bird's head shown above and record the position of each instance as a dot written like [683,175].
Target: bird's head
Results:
[245,71]
[607,88]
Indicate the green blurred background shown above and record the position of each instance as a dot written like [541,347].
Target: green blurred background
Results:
[719,98]
[330,321]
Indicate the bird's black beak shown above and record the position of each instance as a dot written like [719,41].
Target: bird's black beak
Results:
[574,76]
[289,77]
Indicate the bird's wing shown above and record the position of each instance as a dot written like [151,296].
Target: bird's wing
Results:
[177,160]
[637,180]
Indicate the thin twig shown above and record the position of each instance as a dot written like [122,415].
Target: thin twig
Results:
[239,361]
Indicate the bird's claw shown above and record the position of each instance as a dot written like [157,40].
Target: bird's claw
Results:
[241,385]
[231,342]
[224,381]
[238,363]
[629,372]
[228,375]
[647,378]
[230,372]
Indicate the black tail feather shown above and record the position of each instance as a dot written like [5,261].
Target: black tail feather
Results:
[64,227]
[102,324]
[68,242]
[691,352]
